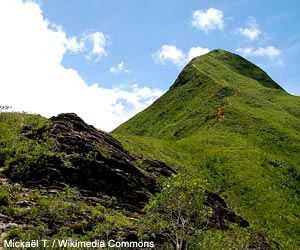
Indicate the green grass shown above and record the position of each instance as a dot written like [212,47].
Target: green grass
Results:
[63,214]
[224,120]
[16,131]
[227,121]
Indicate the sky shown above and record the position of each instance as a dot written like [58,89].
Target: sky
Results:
[106,60]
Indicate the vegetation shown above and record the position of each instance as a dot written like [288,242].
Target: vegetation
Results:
[41,212]
[178,212]
[226,121]
[225,126]
[62,215]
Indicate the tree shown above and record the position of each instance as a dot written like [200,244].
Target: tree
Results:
[178,212]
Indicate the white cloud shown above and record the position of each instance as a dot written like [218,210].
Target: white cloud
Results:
[98,40]
[33,79]
[137,97]
[72,45]
[252,30]
[197,51]
[269,51]
[172,54]
[118,69]
[94,42]
[208,20]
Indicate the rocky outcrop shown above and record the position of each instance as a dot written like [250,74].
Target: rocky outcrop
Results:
[221,217]
[98,165]
[91,160]
[76,154]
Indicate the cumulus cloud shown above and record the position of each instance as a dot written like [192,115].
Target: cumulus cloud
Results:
[197,51]
[169,53]
[93,42]
[251,31]
[269,51]
[72,45]
[33,78]
[98,40]
[208,20]
[172,54]
[120,68]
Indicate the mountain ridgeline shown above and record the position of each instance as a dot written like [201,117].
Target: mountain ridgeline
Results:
[226,121]
[209,87]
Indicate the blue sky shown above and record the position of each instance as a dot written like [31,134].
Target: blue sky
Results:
[108,59]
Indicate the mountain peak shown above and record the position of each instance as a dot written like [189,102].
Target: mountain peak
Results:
[226,121]
[219,63]
[212,89]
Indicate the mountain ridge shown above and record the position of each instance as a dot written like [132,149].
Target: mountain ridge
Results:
[241,132]
[208,79]
[236,64]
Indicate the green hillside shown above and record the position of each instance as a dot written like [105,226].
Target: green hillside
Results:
[62,180]
[226,121]
[212,164]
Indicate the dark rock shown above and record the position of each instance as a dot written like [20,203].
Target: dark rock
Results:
[99,166]
[91,160]
[157,168]
[221,216]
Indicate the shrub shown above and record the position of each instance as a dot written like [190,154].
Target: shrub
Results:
[178,212]
[4,198]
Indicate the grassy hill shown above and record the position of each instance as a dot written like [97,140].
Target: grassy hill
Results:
[63,180]
[212,164]
[226,121]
